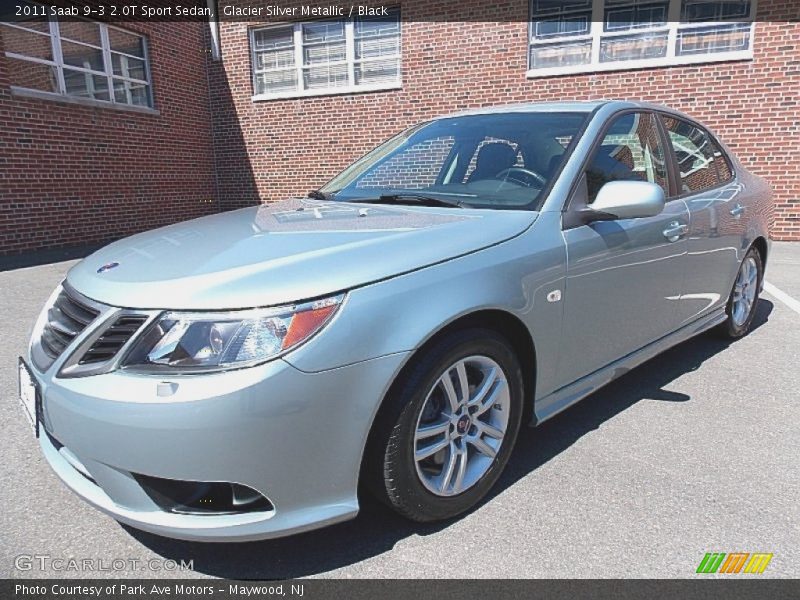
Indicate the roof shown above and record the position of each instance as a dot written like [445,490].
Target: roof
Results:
[530,107]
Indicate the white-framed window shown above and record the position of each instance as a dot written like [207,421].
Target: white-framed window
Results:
[326,57]
[79,59]
[584,36]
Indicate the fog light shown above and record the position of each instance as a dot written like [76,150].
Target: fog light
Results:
[202,497]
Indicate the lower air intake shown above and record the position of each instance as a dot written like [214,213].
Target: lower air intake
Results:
[202,498]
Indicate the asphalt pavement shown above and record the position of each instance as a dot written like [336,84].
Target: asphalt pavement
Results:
[696,451]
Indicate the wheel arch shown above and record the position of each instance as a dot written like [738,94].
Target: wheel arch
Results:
[760,244]
[503,322]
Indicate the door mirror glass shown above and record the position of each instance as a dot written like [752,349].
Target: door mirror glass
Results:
[627,200]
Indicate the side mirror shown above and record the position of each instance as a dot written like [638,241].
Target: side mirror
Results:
[626,200]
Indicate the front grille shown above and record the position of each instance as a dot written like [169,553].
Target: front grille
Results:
[113,339]
[65,320]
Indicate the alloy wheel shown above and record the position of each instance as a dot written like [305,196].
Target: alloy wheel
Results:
[461,426]
[744,291]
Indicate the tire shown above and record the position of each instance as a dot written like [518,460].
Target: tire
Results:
[419,402]
[745,286]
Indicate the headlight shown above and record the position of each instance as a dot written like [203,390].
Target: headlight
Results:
[209,341]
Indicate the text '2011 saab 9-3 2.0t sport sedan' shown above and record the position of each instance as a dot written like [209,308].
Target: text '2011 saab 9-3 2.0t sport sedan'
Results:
[241,375]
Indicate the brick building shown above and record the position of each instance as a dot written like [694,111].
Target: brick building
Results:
[105,133]
[76,168]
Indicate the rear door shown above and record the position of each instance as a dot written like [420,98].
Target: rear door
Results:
[717,225]
[623,277]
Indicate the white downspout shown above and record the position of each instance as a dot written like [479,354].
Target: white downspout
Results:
[213,25]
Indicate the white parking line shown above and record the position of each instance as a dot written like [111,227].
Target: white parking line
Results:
[782,296]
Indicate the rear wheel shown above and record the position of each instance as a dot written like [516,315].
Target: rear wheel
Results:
[742,302]
[448,427]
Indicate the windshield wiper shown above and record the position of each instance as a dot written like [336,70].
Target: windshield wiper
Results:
[419,199]
[318,195]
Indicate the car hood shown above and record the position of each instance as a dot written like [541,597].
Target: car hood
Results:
[282,253]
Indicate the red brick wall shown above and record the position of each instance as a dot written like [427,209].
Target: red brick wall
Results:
[73,174]
[272,149]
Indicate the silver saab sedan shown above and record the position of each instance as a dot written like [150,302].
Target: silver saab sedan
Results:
[242,375]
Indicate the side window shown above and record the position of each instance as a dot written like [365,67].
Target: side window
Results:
[700,162]
[631,150]
[723,164]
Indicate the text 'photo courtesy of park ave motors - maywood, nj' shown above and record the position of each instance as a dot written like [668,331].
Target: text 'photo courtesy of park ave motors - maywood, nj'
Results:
[157,590]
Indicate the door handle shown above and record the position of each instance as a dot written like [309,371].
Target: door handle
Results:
[737,211]
[675,231]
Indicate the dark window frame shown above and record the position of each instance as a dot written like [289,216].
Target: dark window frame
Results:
[676,175]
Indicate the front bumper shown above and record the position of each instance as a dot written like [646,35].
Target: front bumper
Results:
[295,437]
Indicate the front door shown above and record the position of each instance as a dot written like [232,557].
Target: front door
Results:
[624,277]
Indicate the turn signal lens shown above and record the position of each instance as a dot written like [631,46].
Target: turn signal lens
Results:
[305,324]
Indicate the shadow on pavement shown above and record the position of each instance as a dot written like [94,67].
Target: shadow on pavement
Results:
[376,529]
[46,257]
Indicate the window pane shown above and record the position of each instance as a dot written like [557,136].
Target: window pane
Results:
[27,43]
[708,40]
[324,48]
[128,43]
[86,85]
[552,19]
[378,26]
[621,15]
[325,76]
[574,25]
[633,47]
[324,43]
[325,31]
[274,38]
[275,59]
[723,164]
[694,11]
[276,81]
[128,67]
[324,53]
[31,75]
[631,150]
[374,42]
[559,6]
[79,55]
[375,47]
[80,31]
[695,152]
[560,55]
[128,92]
[377,71]
[34,23]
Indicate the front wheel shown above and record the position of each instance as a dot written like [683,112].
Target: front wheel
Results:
[742,302]
[449,426]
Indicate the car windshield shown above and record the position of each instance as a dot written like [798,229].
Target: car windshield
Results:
[502,161]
